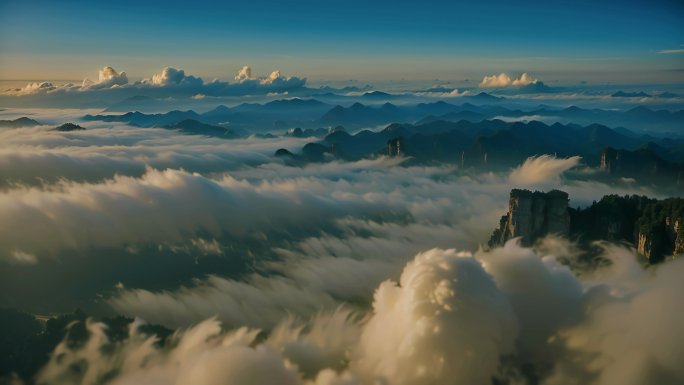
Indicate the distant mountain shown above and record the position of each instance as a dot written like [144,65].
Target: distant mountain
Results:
[484,97]
[642,163]
[656,148]
[309,133]
[146,120]
[427,119]
[312,113]
[378,95]
[488,144]
[295,111]
[437,108]
[313,152]
[193,127]
[18,123]
[359,115]
[344,89]
[463,115]
[626,132]
[69,127]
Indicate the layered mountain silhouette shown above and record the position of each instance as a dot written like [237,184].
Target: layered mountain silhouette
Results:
[145,120]
[18,123]
[492,144]
[311,113]
[193,127]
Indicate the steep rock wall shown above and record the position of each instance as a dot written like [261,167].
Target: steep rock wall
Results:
[532,215]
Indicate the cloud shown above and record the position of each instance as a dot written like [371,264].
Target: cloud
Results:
[542,169]
[171,76]
[171,82]
[136,199]
[200,355]
[631,335]
[524,80]
[495,81]
[452,317]
[244,74]
[544,294]
[671,51]
[107,78]
[40,88]
[444,322]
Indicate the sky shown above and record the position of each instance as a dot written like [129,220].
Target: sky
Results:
[596,41]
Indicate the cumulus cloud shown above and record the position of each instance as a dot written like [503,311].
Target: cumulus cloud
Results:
[244,74]
[40,88]
[524,80]
[495,81]
[445,322]
[107,78]
[453,317]
[171,76]
[171,82]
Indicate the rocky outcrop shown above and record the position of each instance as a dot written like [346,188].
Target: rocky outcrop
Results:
[656,245]
[645,246]
[639,163]
[69,127]
[395,147]
[283,152]
[532,215]
[679,241]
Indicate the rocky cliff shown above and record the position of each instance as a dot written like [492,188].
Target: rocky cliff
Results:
[655,227]
[641,163]
[656,245]
[532,215]
[395,147]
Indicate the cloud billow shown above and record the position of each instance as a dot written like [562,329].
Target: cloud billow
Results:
[171,82]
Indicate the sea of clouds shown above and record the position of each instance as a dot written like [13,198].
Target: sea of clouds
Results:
[367,272]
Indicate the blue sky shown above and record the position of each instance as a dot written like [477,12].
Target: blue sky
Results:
[578,40]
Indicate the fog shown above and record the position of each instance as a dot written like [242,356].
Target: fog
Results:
[360,272]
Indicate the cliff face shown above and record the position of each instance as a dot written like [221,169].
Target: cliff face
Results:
[533,215]
[639,163]
[655,246]
[395,147]
[645,246]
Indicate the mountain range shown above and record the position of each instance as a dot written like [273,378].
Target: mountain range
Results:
[493,144]
[311,113]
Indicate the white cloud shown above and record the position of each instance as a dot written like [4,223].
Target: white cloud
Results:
[542,169]
[453,317]
[244,74]
[172,76]
[495,81]
[445,322]
[524,80]
[171,82]
[671,51]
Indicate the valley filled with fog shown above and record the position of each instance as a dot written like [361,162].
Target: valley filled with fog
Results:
[177,231]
